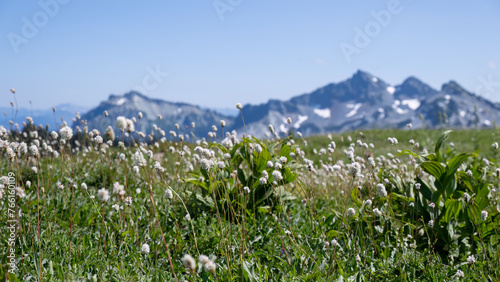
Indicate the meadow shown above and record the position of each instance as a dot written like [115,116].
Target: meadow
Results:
[374,205]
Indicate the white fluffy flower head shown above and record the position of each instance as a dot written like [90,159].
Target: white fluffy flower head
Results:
[145,249]
[103,194]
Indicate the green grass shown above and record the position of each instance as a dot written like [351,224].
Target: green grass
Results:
[286,237]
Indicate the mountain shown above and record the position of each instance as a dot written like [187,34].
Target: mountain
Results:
[130,104]
[231,112]
[365,102]
[362,101]
[65,112]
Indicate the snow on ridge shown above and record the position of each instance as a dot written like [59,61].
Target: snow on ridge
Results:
[381,113]
[374,79]
[400,111]
[391,89]
[300,120]
[324,113]
[396,107]
[411,103]
[120,101]
[354,107]
[462,113]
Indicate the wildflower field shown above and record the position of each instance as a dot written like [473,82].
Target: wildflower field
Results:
[393,205]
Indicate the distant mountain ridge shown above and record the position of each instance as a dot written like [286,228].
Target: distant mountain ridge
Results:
[366,102]
[64,112]
[362,101]
[130,104]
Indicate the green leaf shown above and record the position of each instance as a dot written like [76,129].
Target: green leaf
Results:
[126,232]
[264,209]
[425,189]
[258,238]
[354,197]
[261,161]
[266,195]
[435,169]
[288,176]
[456,161]
[440,143]
[449,184]
[332,234]
[407,153]
[197,182]
[452,209]
[249,274]
[329,219]
[205,200]
[285,151]
[12,277]
[399,197]
[242,177]
[481,199]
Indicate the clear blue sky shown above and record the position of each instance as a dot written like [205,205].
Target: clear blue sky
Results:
[82,51]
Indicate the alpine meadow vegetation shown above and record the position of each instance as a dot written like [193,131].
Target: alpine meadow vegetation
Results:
[404,205]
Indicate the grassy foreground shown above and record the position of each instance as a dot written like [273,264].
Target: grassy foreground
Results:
[368,206]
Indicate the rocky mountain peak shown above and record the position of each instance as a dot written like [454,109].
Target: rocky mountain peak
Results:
[453,88]
[412,88]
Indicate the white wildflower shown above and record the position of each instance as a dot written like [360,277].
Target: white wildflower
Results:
[145,249]
[431,223]
[351,212]
[484,215]
[169,194]
[189,262]
[103,194]
[66,133]
[209,266]
[381,190]
[277,175]
[128,201]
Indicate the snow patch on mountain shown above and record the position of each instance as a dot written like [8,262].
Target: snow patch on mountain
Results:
[396,107]
[324,113]
[411,103]
[300,120]
[120,101]
[354,107]
[382,113]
